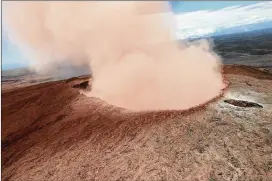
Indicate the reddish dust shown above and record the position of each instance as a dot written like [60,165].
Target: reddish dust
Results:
[129,46]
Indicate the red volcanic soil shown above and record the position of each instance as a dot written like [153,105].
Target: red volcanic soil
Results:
[51,131]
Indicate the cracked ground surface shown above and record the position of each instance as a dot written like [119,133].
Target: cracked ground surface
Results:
[51,131]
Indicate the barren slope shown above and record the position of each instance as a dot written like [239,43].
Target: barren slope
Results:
[52,132]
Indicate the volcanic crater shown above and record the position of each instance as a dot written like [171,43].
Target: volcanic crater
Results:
[52,131]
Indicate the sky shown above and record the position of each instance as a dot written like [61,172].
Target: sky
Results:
[193,19]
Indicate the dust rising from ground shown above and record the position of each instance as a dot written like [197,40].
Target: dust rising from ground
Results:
[129,46]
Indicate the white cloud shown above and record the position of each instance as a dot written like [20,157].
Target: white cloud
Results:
[206,22]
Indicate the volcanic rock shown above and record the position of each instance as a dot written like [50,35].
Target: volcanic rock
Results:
[50,131]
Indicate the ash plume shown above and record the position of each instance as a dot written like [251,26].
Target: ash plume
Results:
[129,46]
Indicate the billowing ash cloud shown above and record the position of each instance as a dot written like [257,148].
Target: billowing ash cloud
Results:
[129,46]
